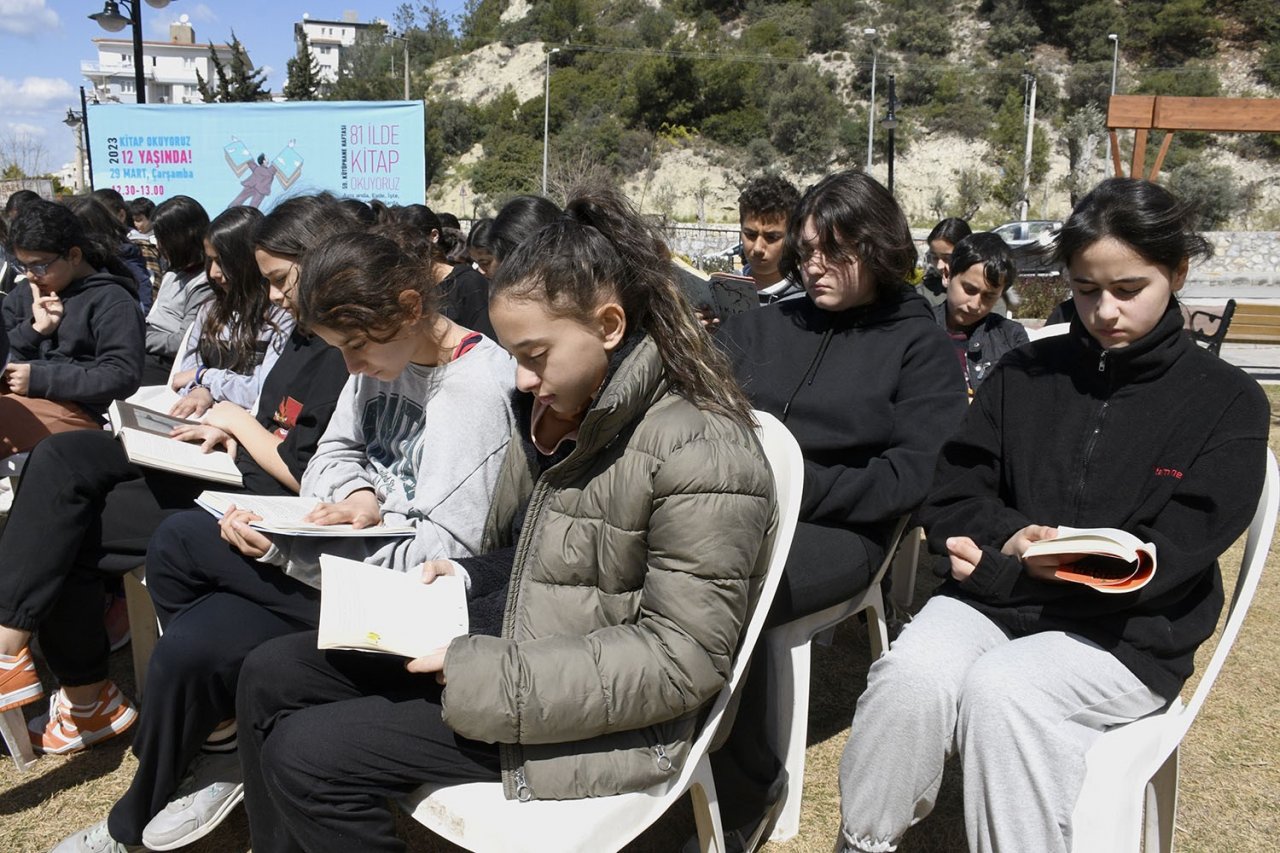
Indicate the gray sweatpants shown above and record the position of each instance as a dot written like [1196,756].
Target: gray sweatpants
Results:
[1022,713]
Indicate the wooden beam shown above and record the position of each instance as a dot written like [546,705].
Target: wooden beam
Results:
[1217,115]
[1116,167]
[1164,149]
[1131,111]
[1139,153]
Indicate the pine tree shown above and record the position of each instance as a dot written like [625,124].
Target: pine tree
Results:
[238,81]
[303,72]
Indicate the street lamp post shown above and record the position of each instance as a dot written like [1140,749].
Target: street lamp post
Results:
[1025,202]
[75,120]
[890,124]
[404,39]
[870,32]
[112,21]
[546,115]
[1114,38]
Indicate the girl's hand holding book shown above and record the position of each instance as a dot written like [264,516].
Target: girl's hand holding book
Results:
[1041,568]
[236,532]
[359,509]
[193,405]
[429,663]
[209,438]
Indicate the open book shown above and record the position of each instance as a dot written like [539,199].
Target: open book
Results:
[145,436]
[1104,558]
[372,609]
[285,514]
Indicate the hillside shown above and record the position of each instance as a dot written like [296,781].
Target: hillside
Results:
[680,101]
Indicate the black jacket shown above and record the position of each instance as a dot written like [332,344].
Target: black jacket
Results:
[870,395]
[992,337]
[1161,439]
[95,354]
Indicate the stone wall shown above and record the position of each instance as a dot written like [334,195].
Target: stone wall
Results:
[1245,266]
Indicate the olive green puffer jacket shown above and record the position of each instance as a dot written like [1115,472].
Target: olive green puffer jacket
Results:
[639,559]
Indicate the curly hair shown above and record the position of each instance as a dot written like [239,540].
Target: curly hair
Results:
[768,197]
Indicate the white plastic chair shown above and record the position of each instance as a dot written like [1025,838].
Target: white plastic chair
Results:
[161,398]
[903,571]
[1136,765]
[789,657]
[477,816]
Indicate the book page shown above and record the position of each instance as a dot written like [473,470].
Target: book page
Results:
[170,454]
[285,514]
[370,608]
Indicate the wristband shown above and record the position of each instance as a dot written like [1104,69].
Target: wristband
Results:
[200,371]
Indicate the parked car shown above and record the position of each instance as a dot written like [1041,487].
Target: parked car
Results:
[1032,243]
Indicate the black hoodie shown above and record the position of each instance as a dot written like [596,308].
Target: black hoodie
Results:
[94,355]
[1160,438]
[870,395]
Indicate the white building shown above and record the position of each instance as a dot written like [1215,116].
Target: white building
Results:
[328,39]
[169,67]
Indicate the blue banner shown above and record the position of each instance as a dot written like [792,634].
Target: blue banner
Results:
[255,154]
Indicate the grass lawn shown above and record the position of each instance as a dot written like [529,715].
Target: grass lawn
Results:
[1229,795]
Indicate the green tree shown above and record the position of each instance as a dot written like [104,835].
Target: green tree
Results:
[803,112]
[365,73]
[303,72]
[237,81]
[511,166]
[1211,188]
[826,28]
[1013,30]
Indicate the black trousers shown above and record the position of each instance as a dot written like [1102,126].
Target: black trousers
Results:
[82,511]
[327,737]
[824,567]
[216,606]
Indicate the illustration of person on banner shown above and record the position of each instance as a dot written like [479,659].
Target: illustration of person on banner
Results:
[262,173]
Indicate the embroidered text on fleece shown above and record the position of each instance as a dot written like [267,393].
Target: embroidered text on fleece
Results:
[429,444]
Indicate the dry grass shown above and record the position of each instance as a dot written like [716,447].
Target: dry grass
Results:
[1229,792]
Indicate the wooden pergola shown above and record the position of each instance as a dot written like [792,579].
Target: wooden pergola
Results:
[1145,113]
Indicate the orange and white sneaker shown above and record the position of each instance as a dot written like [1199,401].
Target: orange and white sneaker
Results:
[19,683]
[70,728]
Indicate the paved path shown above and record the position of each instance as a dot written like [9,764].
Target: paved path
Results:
[1262,361]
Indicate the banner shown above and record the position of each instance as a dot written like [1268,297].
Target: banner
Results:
[255,154]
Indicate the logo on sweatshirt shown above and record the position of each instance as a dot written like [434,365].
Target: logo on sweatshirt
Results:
[1168,472]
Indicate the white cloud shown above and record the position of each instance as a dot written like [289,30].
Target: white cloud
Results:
[20,128]
[27,17]
[34,93]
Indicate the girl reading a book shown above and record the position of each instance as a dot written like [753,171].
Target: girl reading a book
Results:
[180,224]
[417,437]
[107,508]
[624,547]
[75,333]
[1125,423]
[239,334]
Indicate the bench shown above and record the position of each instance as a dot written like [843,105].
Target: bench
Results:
[1255,324]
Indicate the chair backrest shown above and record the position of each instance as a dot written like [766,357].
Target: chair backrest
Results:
[1220,323]
[1256,547]
[183,345]
[787,464]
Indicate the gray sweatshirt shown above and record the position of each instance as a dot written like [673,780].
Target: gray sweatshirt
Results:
[180,297]
[429,444]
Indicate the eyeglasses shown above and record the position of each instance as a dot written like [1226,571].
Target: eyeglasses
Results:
[934,257]
[35,269]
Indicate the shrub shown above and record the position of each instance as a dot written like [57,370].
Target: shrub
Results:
[1211,188]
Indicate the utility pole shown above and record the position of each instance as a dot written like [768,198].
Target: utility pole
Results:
[870,32]
[891,124]
[546,116]
[1025,203]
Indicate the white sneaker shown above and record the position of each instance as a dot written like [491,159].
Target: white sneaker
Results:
[95,839]
[212,788]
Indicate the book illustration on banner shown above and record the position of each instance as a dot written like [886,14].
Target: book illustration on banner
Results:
[262,173]
[144,433]
[371,609]
[1104,558]
[286,515]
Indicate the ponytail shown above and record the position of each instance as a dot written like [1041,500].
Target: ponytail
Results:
[601,249]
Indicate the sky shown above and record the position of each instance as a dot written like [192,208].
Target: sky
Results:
[42,43]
